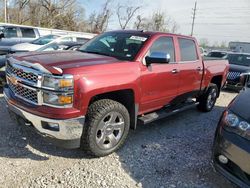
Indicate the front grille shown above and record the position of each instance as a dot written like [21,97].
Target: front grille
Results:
[233,75]
[27,94]
[21,74]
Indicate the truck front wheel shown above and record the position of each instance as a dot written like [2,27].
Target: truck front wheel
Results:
[106,127]
[208,99]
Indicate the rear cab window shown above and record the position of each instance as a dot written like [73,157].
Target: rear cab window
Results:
[28,33]
[188,51]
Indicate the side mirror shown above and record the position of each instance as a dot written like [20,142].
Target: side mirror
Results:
[158,57]
[244,78]
[1,35]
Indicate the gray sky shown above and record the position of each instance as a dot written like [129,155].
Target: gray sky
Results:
[217,20]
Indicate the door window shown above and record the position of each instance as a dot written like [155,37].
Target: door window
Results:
[28,33]
[163,45]
[10,32]
[188,50]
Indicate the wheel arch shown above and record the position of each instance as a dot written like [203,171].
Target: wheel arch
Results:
[126,97]
[217,80]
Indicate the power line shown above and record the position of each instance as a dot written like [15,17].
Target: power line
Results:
[193,17]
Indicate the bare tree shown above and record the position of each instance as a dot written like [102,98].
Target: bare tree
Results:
[159,21]
[138,23]
[204,43]
[125,13]
[98,23]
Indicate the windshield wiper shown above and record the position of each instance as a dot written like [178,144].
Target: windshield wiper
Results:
[93,52]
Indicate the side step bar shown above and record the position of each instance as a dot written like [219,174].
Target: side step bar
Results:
[163,113]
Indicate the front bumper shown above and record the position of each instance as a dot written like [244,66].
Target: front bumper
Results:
[233,85]
[69,131]
[237,150]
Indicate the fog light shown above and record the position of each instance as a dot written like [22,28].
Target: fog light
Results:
[223,159]
[50,126]
[53,126]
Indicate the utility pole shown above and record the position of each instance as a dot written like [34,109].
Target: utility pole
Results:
[193,17]
[5,11]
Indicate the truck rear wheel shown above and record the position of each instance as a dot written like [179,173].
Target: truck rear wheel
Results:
[106,127]
[208,99]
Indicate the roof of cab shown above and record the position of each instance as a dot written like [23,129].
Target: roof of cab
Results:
[151,33]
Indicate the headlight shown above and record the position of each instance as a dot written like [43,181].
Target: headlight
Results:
[235,121]
[57,99]
[232,120]
[65,82]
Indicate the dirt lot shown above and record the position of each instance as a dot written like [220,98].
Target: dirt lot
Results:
[173,152]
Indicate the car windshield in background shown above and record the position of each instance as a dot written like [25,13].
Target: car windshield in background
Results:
[45,40]
[217,54]
[123,46]
[51,47]
[239,59]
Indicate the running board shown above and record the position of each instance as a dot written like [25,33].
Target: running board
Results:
[163,113]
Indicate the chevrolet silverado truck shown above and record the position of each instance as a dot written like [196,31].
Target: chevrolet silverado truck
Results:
[91,98]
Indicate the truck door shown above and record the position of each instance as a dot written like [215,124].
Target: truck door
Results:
[10,38]
[160,81]
[190,67]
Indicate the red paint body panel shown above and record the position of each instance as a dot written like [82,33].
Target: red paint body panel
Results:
[153,86]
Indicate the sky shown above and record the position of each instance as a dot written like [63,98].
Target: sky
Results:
[216,20]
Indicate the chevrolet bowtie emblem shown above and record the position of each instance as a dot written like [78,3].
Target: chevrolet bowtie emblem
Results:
[13,80]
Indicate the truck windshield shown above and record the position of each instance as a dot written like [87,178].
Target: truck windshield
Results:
[239,59]
[44,40]
[123,46]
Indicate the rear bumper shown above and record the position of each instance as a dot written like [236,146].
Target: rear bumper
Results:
[66,133]
[236,150]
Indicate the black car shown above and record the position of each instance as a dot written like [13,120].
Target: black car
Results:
[217,54]
[239,63]
[231,149]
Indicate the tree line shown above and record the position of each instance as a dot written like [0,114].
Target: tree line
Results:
[70,15]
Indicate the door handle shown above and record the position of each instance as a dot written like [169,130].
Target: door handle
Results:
[199,69]
[175,71]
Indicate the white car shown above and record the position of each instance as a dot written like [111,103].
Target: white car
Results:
[38,43]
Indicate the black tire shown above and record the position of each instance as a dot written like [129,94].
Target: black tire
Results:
[208,99]
[97,133]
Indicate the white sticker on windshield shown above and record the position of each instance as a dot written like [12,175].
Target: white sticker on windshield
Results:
[143,39]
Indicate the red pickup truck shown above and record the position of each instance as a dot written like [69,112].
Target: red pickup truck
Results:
[92,97]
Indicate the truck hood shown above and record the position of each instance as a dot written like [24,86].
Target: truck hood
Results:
[64,59]
[239,68]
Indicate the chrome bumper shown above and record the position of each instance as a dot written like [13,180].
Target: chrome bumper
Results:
[68,129]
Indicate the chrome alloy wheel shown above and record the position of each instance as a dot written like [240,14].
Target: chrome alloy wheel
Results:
[110,130]
[211,98]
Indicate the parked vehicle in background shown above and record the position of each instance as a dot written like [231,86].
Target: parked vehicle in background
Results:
[92,97]
[241,47]
[217,54]
[11,35]
[203,51]
[39,43]
[60,46]
[33,45]
[239,63]
[231,150]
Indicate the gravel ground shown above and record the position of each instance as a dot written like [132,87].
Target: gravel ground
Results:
[174,152]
